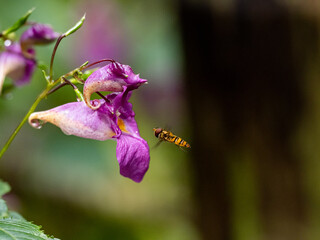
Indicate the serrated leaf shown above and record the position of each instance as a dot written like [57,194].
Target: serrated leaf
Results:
[17,229]
[13,226]
[18,23]
[4,188]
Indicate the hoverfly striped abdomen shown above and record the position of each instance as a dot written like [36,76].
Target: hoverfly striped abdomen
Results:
[168,136]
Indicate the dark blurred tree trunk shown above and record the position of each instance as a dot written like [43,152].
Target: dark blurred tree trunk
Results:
[244,88]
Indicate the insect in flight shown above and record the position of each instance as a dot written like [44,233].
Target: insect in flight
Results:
[168,136]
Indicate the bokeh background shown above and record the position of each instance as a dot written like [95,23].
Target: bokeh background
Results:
[237,79]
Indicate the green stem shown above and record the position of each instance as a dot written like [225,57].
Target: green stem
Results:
[31,110]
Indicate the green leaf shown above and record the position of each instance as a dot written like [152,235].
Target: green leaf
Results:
[4,188]
[75,27]
[18,23]
[17,229]
[15,215]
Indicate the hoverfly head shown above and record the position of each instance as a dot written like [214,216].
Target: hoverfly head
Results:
[157,131]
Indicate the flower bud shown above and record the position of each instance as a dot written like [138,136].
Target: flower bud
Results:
[38,34]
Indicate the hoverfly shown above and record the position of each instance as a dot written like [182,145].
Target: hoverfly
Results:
[168,136]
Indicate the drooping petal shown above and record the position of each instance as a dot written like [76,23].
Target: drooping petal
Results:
[133,156]
[132,150]
[16,66]
[77,119]
[38,34]
[110,78]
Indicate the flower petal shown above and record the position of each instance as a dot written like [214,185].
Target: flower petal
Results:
[110,78]
[133,156]
[77,119]
[38,34]
[132,150]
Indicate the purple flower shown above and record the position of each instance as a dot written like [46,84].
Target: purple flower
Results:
[18,60]
[109,118]
[14,64]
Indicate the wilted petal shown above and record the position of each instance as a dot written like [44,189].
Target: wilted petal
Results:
[110,78]
[38,34]
[133,156]
[16,66]
[77,119]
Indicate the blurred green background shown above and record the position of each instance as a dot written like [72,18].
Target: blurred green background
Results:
[237,79]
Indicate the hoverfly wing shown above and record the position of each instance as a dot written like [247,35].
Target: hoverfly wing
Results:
[157,144]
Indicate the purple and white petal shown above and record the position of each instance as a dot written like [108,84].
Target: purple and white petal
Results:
[16,66]
[77,119]
[133,156]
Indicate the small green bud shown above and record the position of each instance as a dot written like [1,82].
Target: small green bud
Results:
[75,27]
